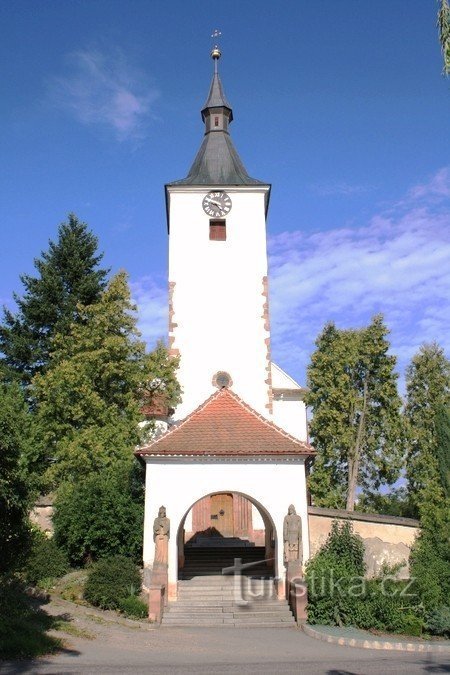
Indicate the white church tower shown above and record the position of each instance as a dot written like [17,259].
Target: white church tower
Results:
[232,464]
[219,319]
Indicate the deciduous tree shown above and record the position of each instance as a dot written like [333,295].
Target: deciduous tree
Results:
[14,493]
[427,393]
[356,425]
[90,397]
[444,33]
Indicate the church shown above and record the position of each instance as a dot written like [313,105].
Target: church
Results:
[233,457]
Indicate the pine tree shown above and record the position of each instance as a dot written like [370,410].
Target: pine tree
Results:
[68,274]
[427,392]
[90,397]
[356,425]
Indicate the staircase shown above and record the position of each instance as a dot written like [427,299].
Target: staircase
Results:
[211,558]
[208,597]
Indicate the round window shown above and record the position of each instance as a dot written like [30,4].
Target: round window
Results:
[222,380]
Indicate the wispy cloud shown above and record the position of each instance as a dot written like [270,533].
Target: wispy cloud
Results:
[101,88]
[398,264]
[151,298]
[340,188]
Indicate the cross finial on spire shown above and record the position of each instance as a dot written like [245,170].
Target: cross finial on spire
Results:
[216,53]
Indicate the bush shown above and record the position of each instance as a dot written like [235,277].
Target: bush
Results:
[45,562]
[438,621]
[111,580]
[133,607]
[100,517]
[334,578]
[430,558]
[339,594]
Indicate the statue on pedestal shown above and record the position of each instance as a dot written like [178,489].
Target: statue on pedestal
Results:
[292,537]
[161,534]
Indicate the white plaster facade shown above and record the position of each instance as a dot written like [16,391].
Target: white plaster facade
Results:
[178,483]
[218,321]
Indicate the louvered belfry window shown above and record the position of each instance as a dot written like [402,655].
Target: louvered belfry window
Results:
[217,230]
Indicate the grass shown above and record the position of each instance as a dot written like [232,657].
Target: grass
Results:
[70,628]
[24,625]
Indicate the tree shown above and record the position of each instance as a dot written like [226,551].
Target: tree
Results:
[14,493]
[427,392]
[356,425]
[443,448]
[444,33]
[100,516]
[90,397]
[68,274]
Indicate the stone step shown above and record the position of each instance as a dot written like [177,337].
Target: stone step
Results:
[284,615]
[232,624]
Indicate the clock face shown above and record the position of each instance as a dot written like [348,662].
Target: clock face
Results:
[217,204]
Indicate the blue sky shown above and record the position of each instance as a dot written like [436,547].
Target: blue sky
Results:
[339,104]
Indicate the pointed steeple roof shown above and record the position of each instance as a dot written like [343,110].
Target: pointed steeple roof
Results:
[217,162]
[216,97]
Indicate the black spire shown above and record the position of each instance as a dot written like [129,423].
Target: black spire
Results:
[217,162]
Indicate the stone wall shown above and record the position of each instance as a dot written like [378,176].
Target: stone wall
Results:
[42,513]
[387,539]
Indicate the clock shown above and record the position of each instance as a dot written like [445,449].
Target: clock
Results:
[216,203]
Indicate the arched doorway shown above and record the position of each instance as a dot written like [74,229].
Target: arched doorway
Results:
[224,526]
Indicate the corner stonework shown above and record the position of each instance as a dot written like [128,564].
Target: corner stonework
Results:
[173,351]
[266,318]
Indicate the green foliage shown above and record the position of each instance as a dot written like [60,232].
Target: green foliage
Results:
[110,581]
[443,448]
[133,607]
[430,556]
[23,625]
[438,621]
[45,562]
[444,33]
[356,426]
[338,593]
[161,385]
[428,392]
[15,439]
[394,503]
[100,516]
[68,274]
[88,405]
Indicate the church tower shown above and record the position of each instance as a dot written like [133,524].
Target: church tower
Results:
[233,464]
[218,305]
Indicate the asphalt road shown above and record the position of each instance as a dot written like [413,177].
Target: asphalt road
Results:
[115,648]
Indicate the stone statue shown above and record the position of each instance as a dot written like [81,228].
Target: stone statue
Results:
[161,534]
[292,537]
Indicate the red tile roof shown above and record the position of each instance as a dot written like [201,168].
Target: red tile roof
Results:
[226,426]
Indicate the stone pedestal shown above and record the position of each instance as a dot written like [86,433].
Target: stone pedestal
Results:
[156,602]
[298,600]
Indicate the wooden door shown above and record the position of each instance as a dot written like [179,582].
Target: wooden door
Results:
[222,514]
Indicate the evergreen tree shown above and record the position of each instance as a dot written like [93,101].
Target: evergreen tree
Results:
[427,392]
[68,274]
[90,397]
[356,425]
[14,492]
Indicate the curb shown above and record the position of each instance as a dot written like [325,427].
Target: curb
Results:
[375,644]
